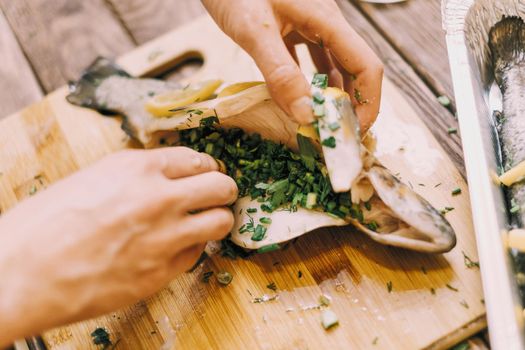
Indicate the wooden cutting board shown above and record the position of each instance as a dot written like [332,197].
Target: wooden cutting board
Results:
[434,301]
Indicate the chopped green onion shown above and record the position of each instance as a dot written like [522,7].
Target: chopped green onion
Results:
[319,110]
[259,233]
[311,200]
[389,286]
[272,286]
[318,98]
[265,220]
[452,288]
[320,81]
[452,131]
[324,300]
[251,210]
[456,191]
[268,248]
[444,100]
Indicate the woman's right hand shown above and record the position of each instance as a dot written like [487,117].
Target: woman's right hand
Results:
[108,236]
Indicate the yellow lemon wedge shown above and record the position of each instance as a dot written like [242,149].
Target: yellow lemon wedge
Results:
[163,105]
[238,87]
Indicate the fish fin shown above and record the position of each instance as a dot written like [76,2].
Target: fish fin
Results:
[82,91]
[507,44]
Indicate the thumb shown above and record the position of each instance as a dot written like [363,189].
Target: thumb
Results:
[286,83]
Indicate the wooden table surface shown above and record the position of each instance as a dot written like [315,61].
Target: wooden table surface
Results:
[43,44]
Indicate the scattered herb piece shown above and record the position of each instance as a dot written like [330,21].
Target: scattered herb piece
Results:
[424,270]
[319,110]
[446,210]
[318,97]
[389,286]
[461,346]
[452,288]
[444,100]
[265,298]
[320,43]
[374,342]
[464,304]
[469,263]
[515,209]
[206,276]
[432,291]
[224,278]
[299,274]
[265,220]
[456,191]
[437,185]
[452,131]
[32,190]
[482,301]
[259,233]
[320,81]
[329,319]
[269,248]
[324,300]
[422,185]
[101,337]
[329,142]
[271,286]
[251,210]
[359,97]
[151,93]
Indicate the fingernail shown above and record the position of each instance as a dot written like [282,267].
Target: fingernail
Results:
[197,161]
[301,110]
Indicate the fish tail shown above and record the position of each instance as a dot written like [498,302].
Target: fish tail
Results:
[82,91]
[507,44]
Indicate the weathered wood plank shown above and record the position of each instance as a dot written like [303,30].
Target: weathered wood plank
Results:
[18,86]
[147,19]
[423,100]
[62,37]
[414,29]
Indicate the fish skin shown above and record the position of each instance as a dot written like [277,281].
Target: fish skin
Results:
[507,45]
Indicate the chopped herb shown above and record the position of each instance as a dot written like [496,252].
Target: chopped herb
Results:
[299,274]
[259,233]
[329,142]
[456,191]
[101,337]
[374,342]
[329,319]
[224,278]
[444,100]
[319,110]
[265,298]
[464,304]
[151,93]
[469,263]
[482,301]
[318,98]
[424,270]
[251,210]
[452,131]
[437,185]
[432,291]
[372,225]
[324,300]
[452,288]
[271,286]
[422,185]
[359,97]
[389,286]
[320,81]
[515,209]
[334,126]
[461,346]
[206,276]
[368,206]
[311,200]
[32,190]
[446,210]
[265,220]
[320,43]
[269,248]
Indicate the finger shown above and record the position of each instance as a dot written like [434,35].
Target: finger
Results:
[185,260]
[179,162]
[286,83]
[350,50]
[209,225]
[206,190]
[324,63]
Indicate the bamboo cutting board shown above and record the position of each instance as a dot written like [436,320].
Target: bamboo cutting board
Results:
[434,301]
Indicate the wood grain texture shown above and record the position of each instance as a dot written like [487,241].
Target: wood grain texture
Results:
[147,19]
[437,118]
[62,37]
[18,86]
[340,262]
[414,29]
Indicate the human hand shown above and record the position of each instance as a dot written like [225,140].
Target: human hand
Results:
[269,29]
[108,236]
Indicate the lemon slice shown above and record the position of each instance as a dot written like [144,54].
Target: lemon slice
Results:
[163,105]
[238,87]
